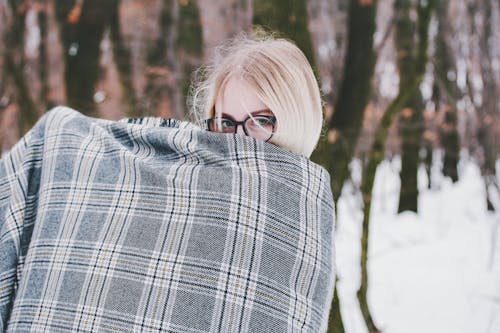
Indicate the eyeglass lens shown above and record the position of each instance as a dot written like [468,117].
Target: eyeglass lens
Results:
[258,127]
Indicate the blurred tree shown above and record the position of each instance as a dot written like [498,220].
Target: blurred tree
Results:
[82,26]
[223,19]
[327,26]
[337,149]
[335,324]
[51,41]
[450,141]
[446,92]
[188,48]
[43,59]
[411,118]
[172,57]
[161,64]
[286,17]
[488,104]
[14,84]
[123,60]
[26,66]
[424,14]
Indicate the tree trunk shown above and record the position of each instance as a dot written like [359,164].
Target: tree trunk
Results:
[327,26]
[326,23]
[410,129]
[488,107]
[288,18]
[448,93]
[8,120]
[123,61]
[335,152]
[157,94]
[42,59]
[55,53]
[82,27]
[335,324]
[223,19]
[377,153]
[187,51]
[411,120]
[14,59]
[451,143]
[172,57]
[171,24]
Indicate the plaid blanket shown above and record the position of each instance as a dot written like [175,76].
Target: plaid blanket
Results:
[157,225]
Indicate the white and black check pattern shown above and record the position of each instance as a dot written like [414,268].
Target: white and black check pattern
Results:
[149,225]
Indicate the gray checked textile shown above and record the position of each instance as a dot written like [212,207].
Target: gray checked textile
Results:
[148,225]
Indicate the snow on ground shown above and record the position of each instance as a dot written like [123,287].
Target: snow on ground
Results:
[435,271]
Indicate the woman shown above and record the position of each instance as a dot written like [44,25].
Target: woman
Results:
[151,225]
[264,88]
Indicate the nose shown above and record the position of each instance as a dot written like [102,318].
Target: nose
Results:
[240,130]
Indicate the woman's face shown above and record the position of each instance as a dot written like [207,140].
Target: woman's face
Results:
[237,102]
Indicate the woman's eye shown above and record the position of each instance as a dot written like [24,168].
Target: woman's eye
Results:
[262,121]
[226,123]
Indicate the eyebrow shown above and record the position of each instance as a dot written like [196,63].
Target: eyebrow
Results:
[253,113]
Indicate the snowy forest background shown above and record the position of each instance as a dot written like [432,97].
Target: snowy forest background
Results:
[411,89]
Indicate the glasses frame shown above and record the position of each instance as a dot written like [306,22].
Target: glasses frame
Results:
[210,121]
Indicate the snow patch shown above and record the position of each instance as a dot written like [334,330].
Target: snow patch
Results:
[435,271]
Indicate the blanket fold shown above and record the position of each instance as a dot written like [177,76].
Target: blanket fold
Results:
[150,224]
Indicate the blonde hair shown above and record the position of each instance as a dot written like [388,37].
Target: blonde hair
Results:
[279,74]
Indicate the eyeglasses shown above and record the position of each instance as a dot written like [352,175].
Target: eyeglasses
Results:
[260,127]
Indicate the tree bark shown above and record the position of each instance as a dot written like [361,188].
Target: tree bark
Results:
[327,24]
[223,19]
[55,54]
[411,120]
[157,93]
[286,17]
[448,93]
[123,60]
[188,51]
[335,151]
[14,66]
[335,324]
[172,57]
[8,120]
[82,27]
[489,101]
[42,58]
[376,155]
